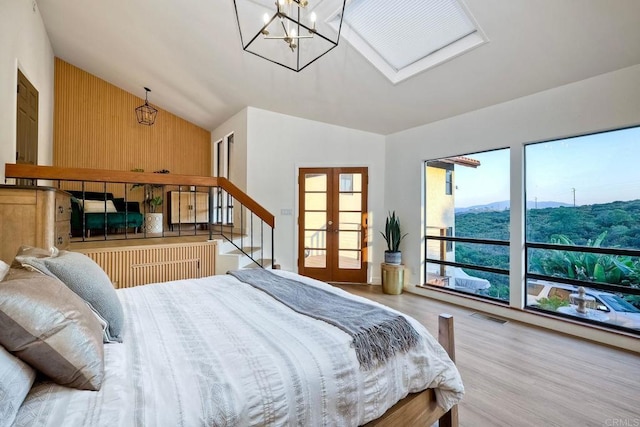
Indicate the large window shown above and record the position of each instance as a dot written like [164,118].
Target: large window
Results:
[467,233]
[583,228]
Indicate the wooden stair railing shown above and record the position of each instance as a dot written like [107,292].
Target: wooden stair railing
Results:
[54,173]
[106,176]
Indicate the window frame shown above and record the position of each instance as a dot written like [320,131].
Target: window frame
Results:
[528,246]
[451,240]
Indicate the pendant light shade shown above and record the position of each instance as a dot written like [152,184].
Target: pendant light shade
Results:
[145,113]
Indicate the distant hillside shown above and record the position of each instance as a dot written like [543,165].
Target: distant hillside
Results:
[505,205]
[580,223]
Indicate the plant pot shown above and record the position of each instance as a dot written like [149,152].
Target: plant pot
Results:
[153,223]
[392,257]
[392,279]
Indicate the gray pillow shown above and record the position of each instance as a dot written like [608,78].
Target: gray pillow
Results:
[87,279]
[16,378]
[49,327]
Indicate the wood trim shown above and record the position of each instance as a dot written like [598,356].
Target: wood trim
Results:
[417,409]
[332,271]
[115,176]
[247,201]
[105,175]
[447,340]
[446,335]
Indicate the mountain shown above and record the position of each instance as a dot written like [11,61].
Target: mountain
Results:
[504,205]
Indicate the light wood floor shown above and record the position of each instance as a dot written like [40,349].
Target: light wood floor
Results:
[519,375]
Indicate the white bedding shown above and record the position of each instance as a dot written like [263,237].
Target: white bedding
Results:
[217,352]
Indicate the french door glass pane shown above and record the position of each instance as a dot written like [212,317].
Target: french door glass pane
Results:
[350,201]
[315,182]
[349,240]
[315,220]
[357,182]
[350,260]
[315,239]
[350,182]
[315,201]
[315,258]
[350,221]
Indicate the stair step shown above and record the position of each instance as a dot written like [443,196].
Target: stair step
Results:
[266,263]
[246,249]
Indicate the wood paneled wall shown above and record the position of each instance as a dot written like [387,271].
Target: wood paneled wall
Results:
[139,265]
[95,126]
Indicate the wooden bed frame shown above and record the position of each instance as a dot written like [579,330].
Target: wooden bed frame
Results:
[421,409]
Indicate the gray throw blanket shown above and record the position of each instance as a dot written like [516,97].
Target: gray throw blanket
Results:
[377,333]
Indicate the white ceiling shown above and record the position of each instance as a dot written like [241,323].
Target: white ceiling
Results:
[189,53]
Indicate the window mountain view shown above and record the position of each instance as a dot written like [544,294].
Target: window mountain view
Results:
[582,225]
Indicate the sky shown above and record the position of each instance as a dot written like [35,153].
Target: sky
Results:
[599,168]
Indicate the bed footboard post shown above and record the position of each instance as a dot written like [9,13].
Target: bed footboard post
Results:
[445,334]
[447,340]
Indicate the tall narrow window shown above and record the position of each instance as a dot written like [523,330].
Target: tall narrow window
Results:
[219,158]
[467,234]
[229,154]
[217,199]
[583,228]
[229,213]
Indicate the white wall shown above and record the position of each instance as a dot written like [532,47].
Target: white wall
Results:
[278,145]
[24,45]
[236,125]
[603,102]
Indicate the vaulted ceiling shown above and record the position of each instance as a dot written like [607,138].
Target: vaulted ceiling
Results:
[189,53]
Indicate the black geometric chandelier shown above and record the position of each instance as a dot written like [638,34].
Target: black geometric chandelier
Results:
[291,33]
[145,113]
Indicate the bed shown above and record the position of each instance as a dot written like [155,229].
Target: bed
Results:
[217,351]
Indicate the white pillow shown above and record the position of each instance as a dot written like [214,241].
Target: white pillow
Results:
[97,206]
[16,378]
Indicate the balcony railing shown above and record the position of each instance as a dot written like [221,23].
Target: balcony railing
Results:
[208,206]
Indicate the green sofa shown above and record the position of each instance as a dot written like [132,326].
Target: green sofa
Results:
[127,214]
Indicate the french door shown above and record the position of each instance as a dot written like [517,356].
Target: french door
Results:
[332,224]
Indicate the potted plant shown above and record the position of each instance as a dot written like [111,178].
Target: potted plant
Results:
[154,203]
[153,219]
[393,236]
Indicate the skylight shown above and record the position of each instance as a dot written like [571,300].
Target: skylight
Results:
[402,38]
